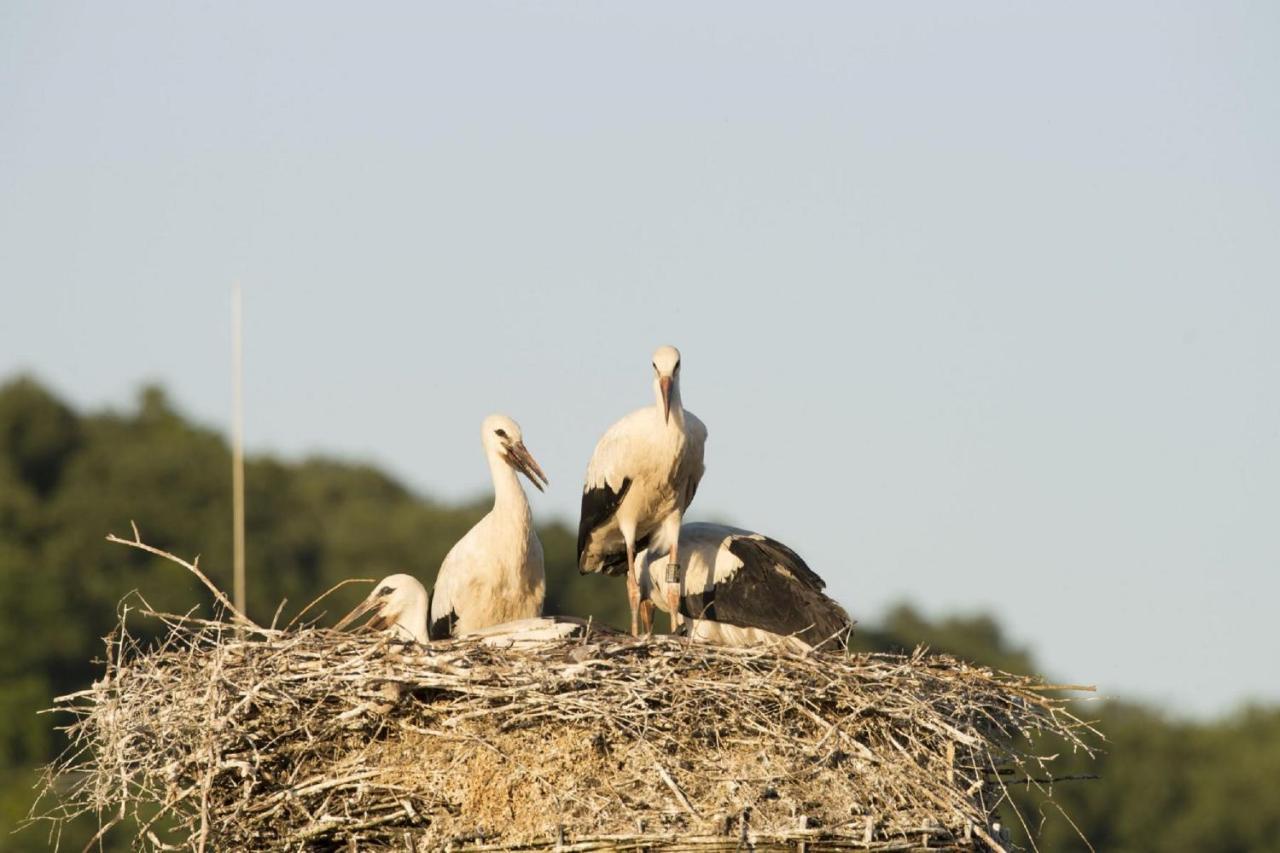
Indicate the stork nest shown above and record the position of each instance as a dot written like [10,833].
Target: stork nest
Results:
[220,737]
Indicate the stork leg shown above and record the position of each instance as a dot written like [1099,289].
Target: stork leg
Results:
[645,592]
[674,578]
[633,588]
[646,616]
[673,589]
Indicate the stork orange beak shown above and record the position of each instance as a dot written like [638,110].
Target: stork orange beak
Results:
[359,610]
[519,457]
[664,383]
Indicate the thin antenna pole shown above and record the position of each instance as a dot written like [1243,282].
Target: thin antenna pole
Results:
[237,448]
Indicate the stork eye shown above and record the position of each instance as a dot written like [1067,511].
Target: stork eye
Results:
[500,433]
[386,590]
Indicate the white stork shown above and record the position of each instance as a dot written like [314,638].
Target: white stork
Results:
[742,588]
[399,607]
[641,478]
[494,573]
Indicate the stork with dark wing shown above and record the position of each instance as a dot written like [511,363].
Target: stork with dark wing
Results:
[744,588]
[642,477]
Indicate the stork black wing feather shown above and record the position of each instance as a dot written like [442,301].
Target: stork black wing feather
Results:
[774,589]
[782,555]
[442,628]
[598,506]
[614,563]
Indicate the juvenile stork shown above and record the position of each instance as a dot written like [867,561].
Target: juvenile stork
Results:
[399,607]
[641,478]
[494,573]
[742,588]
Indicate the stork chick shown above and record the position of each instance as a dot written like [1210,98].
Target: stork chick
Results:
[399,606]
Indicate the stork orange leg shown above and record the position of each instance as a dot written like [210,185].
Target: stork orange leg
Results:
[646,616]
[674,579]
[633,590]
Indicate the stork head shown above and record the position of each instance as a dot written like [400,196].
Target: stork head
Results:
[398,604]
[666,374]
[502,437]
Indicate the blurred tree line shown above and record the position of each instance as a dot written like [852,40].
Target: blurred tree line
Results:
[67,479]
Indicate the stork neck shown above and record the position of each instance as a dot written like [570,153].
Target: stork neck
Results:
[414,620]
[508,496]
[677,409]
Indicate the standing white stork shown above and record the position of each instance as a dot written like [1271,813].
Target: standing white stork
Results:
[494,573]
[641,478]
[742,588]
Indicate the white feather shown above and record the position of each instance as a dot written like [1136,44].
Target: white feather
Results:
[494,573]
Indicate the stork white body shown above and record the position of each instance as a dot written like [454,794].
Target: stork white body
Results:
[494,573]
[742,588]
[542,629]
[641,478]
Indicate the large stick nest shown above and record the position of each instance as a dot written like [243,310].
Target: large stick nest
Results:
[222,736]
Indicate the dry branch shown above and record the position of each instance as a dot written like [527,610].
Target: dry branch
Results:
[193,567]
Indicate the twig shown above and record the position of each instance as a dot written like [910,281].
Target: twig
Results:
[991,842]
[1049,780]
[339,585]
[1068,819]
[675,789]
[191,567]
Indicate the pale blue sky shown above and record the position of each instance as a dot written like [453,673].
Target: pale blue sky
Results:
[979,301]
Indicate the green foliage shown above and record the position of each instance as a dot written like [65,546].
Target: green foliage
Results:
[67,479]
[37,434]
[975,638]
[1178,786]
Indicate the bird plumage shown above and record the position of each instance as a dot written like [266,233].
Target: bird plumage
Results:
[642,476]
[743,588]
[494,573]
[599,504]
[642,469]
[399,606]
